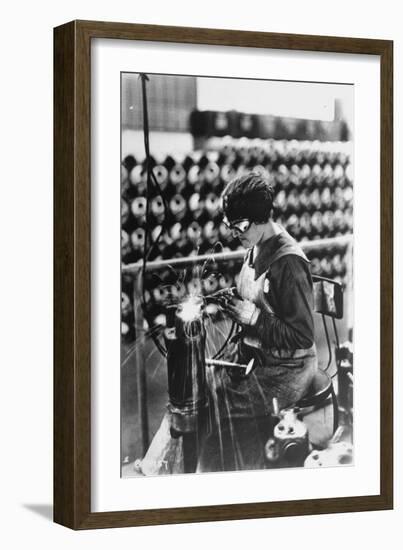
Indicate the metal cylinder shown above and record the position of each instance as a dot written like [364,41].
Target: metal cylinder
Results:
[186,371]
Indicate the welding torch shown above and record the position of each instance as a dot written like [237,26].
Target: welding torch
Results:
[244,312]
[223,296]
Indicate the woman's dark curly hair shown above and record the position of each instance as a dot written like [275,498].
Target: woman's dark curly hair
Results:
[248,197]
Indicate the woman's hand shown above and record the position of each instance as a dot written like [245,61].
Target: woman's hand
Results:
[243,312]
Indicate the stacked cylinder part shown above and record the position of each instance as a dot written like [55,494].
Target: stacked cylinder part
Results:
[180,212]
[185,343]
[204,124]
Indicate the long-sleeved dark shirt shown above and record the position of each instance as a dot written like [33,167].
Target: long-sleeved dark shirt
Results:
[289,324]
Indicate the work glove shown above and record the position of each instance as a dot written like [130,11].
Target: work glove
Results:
[243,312]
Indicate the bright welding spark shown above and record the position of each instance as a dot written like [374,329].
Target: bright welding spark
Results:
[190,309]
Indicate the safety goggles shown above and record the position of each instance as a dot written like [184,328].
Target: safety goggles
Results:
[238,226]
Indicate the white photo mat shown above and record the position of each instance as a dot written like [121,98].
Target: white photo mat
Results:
[110,492]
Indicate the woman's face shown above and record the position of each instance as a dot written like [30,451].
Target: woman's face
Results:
[251,236]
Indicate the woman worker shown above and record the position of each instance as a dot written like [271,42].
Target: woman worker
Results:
[273,306]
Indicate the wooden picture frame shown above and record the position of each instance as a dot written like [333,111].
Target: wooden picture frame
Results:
[72,274]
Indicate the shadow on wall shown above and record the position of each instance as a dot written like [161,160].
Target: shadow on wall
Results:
[44,510]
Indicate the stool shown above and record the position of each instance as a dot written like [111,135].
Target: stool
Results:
[319,409]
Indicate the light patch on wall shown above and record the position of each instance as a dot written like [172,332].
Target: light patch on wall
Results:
[305,100]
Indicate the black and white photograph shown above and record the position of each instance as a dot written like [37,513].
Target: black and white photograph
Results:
[236,274]
[201,248]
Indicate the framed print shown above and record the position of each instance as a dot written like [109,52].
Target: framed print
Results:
[223,275]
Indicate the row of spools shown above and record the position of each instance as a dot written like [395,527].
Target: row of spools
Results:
[182,239]
[238,125]
[210,173]
[197,207]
